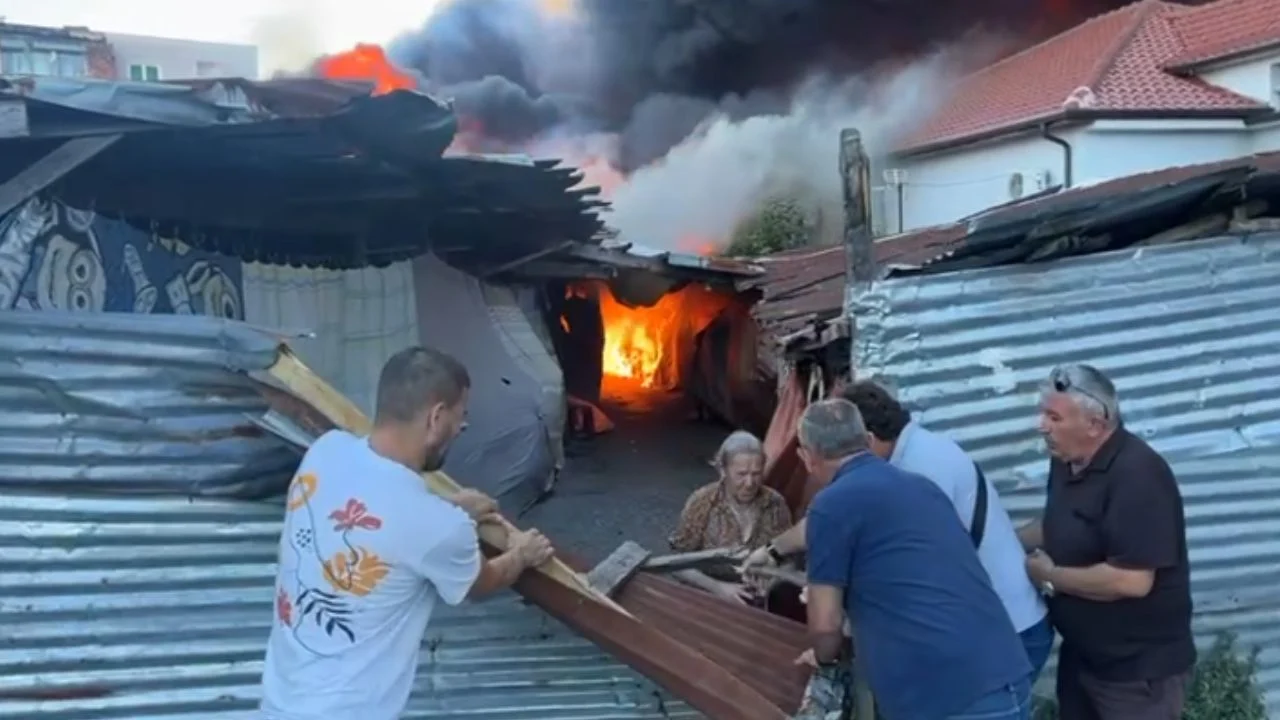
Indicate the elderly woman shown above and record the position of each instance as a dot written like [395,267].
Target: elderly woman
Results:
[735,512]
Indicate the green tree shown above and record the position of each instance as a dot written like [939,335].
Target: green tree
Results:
[779,224]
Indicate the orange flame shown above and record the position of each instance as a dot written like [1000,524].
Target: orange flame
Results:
[367,63]
[648,345]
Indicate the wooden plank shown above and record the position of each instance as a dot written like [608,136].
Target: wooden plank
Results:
[621,565]
[300,380]
[796,577]
[52,167]
[525,259]
[693,560]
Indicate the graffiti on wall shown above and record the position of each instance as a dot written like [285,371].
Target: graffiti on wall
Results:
[55,257]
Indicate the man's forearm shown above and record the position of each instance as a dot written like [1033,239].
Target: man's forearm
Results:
[1031,535]
[827,645]
[792,541]
[497,573]
[1100,582]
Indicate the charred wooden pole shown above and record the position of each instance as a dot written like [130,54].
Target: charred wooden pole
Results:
[855,176]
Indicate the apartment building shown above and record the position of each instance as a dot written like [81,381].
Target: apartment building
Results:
[61,52]
[76,52]
[152,59]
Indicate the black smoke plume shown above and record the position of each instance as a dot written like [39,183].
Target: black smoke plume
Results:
[652,70]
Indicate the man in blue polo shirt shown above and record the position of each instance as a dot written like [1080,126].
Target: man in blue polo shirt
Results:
[887,550]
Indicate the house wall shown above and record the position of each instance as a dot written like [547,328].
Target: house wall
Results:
[944,187]
[947,186]
[182,59]
[1255,76]
[1186,332]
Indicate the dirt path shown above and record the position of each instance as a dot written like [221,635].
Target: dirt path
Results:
[631,483]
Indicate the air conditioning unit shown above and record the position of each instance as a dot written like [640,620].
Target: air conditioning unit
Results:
[1028,182]
[1017,186]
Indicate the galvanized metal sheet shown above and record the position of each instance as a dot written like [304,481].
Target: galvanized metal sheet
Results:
[154,609]
[120,403]
[1191,335]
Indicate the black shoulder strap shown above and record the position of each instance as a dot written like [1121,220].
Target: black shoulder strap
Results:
[978,526]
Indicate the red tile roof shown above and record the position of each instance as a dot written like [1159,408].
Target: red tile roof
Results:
[1116,62]
[1225,28]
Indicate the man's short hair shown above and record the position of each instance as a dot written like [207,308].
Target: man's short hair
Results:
[415,379]
[1092,390]
[883,415]
[833,429]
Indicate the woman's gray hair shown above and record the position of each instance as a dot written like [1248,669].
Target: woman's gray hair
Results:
[1092,390]
[739,442]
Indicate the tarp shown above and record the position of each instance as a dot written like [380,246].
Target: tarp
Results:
[508,450]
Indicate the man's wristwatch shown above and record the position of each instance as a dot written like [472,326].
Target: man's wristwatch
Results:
[777,557]
[1047,589]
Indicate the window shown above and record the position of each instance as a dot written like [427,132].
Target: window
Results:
[72,64]
[144,73]
[43,61]
[15,62]
[208,69]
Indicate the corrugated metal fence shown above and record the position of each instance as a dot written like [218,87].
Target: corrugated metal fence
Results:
[117,605]
[160,609]
[1191,335]
[128,404]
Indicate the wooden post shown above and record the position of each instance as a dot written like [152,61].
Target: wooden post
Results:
[855,176]
[51,168]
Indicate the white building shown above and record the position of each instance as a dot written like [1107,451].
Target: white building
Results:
[146,58]
[1149,86]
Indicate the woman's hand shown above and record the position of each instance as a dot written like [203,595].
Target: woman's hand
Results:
[733,592]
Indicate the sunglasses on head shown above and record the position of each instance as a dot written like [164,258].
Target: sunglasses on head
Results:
[1061,380]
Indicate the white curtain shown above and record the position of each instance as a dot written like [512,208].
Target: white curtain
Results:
[356,318]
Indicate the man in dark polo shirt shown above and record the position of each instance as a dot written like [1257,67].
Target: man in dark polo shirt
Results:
[887,551]
[1111,552]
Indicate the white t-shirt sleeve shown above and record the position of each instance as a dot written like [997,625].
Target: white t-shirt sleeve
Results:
[452,564]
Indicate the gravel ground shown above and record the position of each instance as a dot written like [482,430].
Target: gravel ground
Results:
[631,483]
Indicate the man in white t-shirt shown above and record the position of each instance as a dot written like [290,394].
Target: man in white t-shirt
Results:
[367,551]
[895,437]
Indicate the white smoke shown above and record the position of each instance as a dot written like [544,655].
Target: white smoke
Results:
[715,178]
[289,37]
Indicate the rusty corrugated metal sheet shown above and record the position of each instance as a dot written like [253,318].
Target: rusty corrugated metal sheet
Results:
[806,287]
[727,661]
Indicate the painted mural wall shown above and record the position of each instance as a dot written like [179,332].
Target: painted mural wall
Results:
[55,257]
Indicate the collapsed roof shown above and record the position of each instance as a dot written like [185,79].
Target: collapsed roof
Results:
[297,172]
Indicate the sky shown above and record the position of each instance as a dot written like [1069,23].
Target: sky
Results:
[286,31]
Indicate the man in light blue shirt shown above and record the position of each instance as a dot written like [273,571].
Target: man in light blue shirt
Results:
[914,448]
